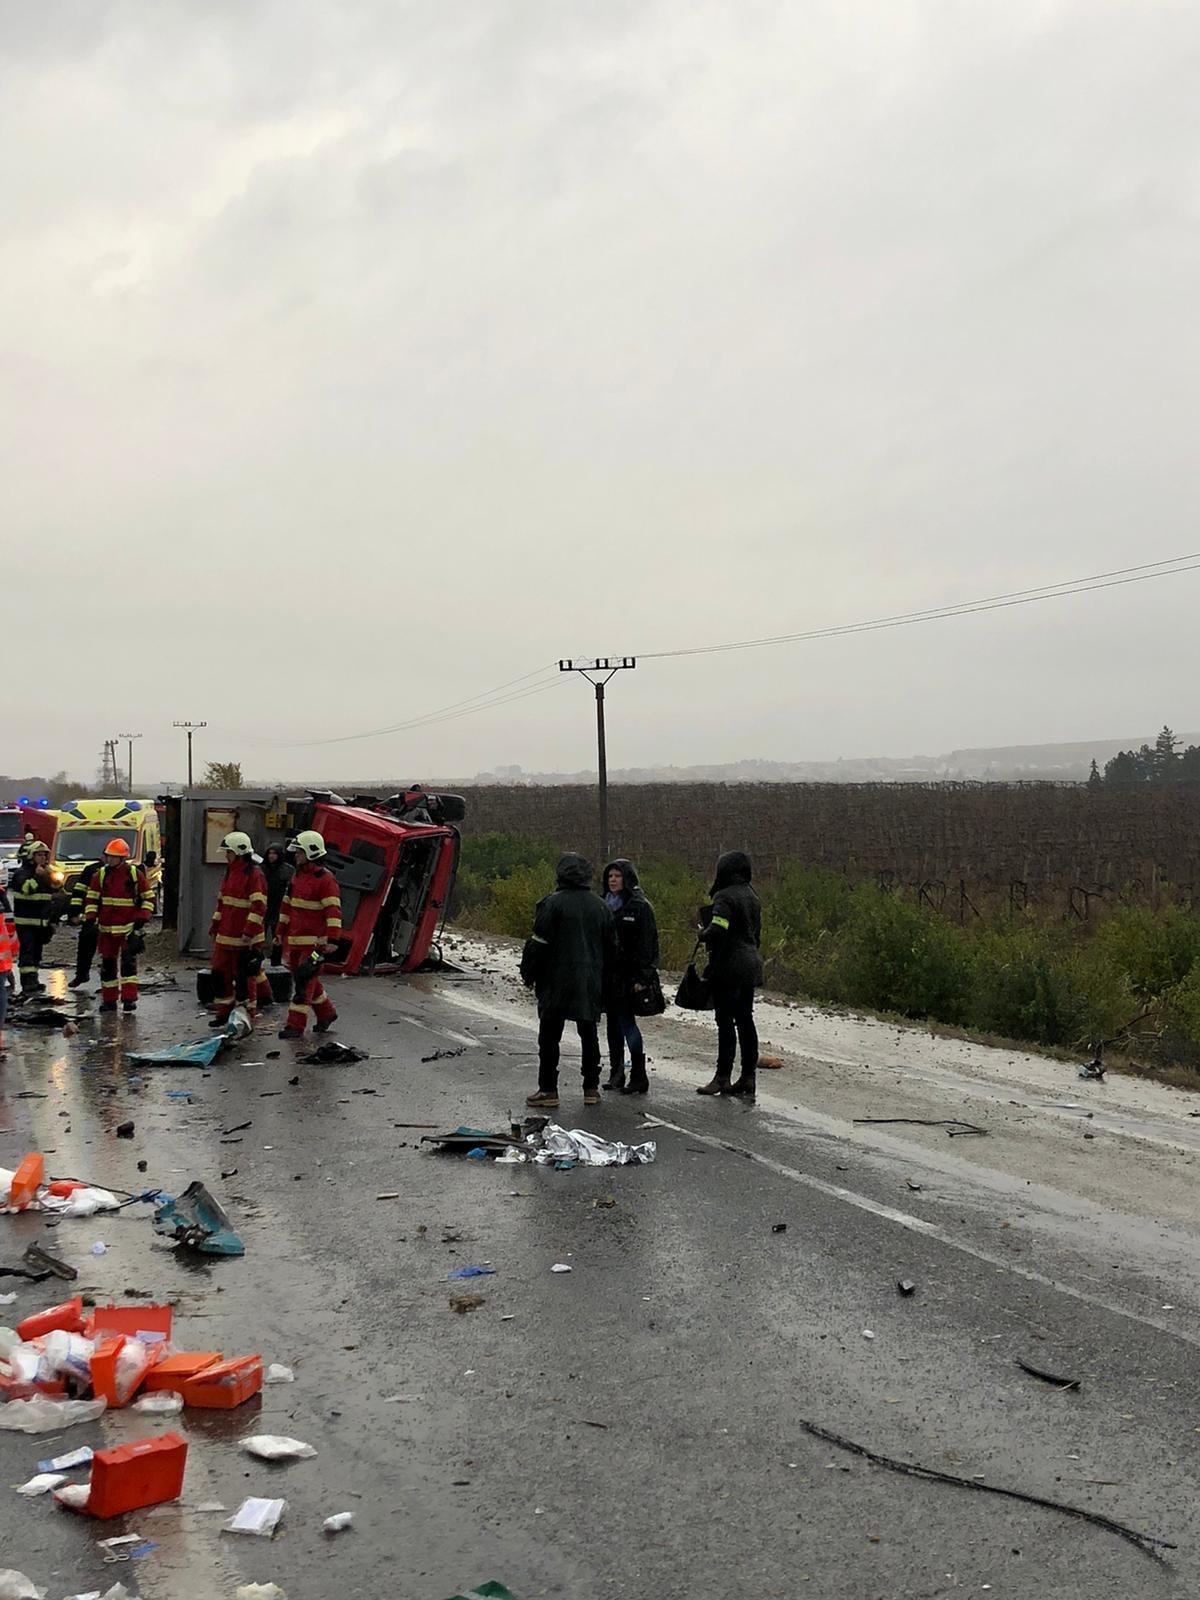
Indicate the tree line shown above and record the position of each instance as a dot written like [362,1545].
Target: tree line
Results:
[1157,765]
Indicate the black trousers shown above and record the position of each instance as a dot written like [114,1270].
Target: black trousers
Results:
[85,950]
[550,1032]
[31,941]
[735,1027]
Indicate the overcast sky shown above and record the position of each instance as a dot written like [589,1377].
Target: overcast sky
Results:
[359,357]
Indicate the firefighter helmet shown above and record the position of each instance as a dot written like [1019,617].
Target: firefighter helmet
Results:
[240,844]
[116,847]
[308,844]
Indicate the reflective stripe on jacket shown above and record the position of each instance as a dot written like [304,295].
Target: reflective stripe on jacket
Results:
[241,906]
[32,897]
[119,898]
[311,913]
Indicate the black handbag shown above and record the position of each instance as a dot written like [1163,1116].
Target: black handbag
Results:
[695,992]
[649,1001]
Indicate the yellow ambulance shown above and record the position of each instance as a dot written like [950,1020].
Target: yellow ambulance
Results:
[85,827]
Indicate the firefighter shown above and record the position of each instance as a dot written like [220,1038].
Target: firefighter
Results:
[85,946]
[237,931]
[33,899]
[310,924]
[120,902]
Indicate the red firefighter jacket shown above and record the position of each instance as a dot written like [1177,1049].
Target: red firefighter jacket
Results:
[241,905]
[119,898]
[311,914]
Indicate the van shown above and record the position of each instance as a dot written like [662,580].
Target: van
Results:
[86,827]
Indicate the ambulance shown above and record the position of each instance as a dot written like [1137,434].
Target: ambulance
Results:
[85,827]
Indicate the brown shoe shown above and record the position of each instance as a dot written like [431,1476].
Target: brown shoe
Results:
[719,1085]
[542,1098]
[591,1097]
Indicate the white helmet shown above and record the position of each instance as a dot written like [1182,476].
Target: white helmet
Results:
[240,843]
[308,844]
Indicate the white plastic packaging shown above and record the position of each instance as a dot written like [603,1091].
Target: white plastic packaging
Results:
[339,1522]
[68,1353]
[73,1495]
[276,1373]
[257,1517]
[162,1403]
[42,1483]
[132,1360]
[15,1585]
[43,1415]
[277,1447]
[260,1591]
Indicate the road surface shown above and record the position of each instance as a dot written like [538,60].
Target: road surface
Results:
[635,1427]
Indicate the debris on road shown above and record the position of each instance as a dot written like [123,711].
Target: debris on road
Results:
[41,1483]
[1093,1071]
[338,1523]
[15,1585]
[604,1202]
[195,1220]
[485,1591]
[42,1261]
[334,1054]
[589,1149]
[160,1403]
[462,1303]
[147,1472]
[560,1266]
[1148,1543]
[68,1463]
[259,1591]
[257,1517]
[41,1414]
[953,1126]
[473,1272]
[276,1373]
[779,1227]
[199,1053]
[1048,1377]
[277,1447]
[126,1130]
[906,1287]
[444,1055]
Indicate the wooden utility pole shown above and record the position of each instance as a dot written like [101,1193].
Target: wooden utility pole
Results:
[189,728]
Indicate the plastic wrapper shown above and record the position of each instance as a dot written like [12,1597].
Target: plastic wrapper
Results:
[83,1203]
[43,1415]
[23,1362]
[276,1373]
[42,1483]
[339,1522]
[577,1144]
[15,1585]
[260,1591]
[277,1447]
[163,1403]
[132,1361]
[257,1517]
[68,1355]
[74,1495]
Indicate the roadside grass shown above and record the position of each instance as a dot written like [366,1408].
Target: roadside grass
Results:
[1131,980]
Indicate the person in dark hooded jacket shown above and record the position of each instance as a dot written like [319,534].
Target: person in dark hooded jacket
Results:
[731,928]
[566,961]
[278,871]
[634,967]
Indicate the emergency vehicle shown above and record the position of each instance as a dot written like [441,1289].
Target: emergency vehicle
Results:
[20,818]
[86,827]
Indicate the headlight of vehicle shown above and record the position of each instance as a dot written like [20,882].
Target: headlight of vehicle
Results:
[58,877]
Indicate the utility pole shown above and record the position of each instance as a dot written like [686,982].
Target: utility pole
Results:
[189,728]
[109,782]
[129,738]
[598,672]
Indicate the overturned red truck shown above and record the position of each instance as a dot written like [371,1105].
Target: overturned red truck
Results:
[395,861]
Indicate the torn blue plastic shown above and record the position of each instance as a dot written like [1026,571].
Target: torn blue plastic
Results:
[195,1219]
[473,1272]
[200,1053]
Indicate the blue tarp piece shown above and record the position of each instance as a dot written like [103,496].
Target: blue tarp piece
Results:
[200,1053]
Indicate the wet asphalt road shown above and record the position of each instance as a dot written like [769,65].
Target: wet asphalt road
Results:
[634,1428]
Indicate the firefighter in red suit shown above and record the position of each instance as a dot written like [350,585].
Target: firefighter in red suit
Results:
[120,902]
[237,931]
[309,927]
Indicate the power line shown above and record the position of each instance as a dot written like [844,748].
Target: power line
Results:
[1015,597]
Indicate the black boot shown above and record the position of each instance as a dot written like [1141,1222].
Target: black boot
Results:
[616,1075]
[746,1085]
[639,1083]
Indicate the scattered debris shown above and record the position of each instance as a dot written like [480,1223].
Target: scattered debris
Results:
[867,1334]
[339,1522]
[195,1220]
[238,1127]
[444,1055]
[1094,1069]
[770,1063]
[390,1194]
[589,1150]
[68,1463]
[42,1483]
[162,1403]
[915,1187]
[604,1202]
[473,1272]
[1148,1543]
[259,1591]
[485,1591]
[779,1227]
[277,1447]
[279,1374]
[560,1266]
[462,1303]
[906,1287]
[953,1126]
[15,1585]
[257,1517]
[42,1261]
[334,1054]
[1048,1377]
[99,1248]
[125,1130]
[199,1053]
[41,1414]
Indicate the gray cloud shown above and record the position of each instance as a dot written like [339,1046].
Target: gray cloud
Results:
[392,349]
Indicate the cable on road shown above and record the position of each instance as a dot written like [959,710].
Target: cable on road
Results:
[1147,1543]
[951,1124]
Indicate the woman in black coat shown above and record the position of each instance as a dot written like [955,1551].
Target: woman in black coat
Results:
[731,928]
[635,967]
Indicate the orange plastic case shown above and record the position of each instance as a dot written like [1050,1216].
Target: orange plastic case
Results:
[229,1384]
[67,1317]
[173,1371]
[145,1473]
